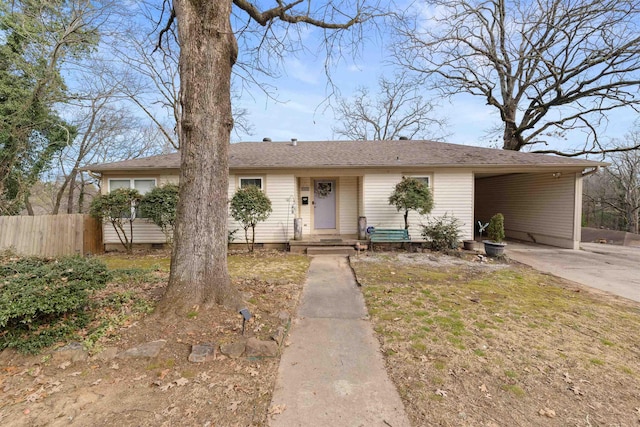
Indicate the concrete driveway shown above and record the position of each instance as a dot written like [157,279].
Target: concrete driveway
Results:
[614,269]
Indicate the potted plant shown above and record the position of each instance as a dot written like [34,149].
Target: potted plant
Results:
[495,232]
[470,245]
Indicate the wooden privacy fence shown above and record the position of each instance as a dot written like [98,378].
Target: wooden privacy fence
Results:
[51,235]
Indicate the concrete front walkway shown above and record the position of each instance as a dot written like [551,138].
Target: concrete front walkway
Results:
[614,269]
[333,374]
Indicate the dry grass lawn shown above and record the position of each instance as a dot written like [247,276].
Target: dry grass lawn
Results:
[167,390]
[471,344]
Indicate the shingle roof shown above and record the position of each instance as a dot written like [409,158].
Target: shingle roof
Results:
[324,154]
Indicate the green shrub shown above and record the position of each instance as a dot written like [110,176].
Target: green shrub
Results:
[411,194]
[119,208]
[249,206]
[495,232]
[43,301]
[442,233]
[160,206]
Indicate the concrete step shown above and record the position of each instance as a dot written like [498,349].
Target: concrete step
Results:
[331,250]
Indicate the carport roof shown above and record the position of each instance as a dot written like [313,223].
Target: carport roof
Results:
[355,154]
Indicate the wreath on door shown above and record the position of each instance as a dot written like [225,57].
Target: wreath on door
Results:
[323,189]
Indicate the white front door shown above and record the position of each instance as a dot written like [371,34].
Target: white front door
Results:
[324,204]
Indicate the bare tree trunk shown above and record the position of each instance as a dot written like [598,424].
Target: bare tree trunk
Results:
[59,194]
[199,275]
[512,136]
[81,195]
[72,187]
[27,204]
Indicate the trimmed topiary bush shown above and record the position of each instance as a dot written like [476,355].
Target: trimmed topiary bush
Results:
[495,232]
[411,194]
[249,206]
[43,301]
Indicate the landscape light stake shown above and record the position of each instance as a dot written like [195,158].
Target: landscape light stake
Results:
[246,315]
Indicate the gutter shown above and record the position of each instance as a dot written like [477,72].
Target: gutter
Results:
[591,172]
[93,174]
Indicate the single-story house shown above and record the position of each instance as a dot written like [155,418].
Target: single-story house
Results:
[329,185]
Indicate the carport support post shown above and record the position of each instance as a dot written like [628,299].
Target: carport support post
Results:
[577,212]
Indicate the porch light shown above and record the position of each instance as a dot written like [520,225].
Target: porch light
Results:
[246,315]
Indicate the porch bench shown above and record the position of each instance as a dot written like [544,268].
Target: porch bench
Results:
[389,235]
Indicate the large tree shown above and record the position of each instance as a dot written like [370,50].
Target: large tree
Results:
[36,38]
[108,130]
[208,52]
[615,191]
[398,109]
[547,66]
[150,75]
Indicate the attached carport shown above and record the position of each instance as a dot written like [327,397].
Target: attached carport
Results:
[539,204]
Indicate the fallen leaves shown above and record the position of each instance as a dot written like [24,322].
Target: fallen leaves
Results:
[233,406]
[180,382]
[483,388]
[576,390]
[163,373]
[276,409]
[546,412]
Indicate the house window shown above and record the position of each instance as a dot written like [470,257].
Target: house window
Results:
[251,180]
[424,179]
[143,185]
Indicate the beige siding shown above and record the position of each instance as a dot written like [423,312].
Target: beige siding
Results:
[278,227]
[536,207]
[168,179]
[144,231]
[348,205]
[377,187]
[453,195]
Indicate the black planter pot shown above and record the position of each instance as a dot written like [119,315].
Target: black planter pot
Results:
[493,249]
[469,245]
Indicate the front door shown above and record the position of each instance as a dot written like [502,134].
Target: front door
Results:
[324,204]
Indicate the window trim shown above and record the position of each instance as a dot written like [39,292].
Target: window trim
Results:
[131,181]
[260,177]
[428,177]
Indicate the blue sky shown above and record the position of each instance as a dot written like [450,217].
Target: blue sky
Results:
[303,92]
[302,113]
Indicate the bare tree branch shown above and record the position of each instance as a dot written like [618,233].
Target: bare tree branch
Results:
[547,66]
[397,110]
